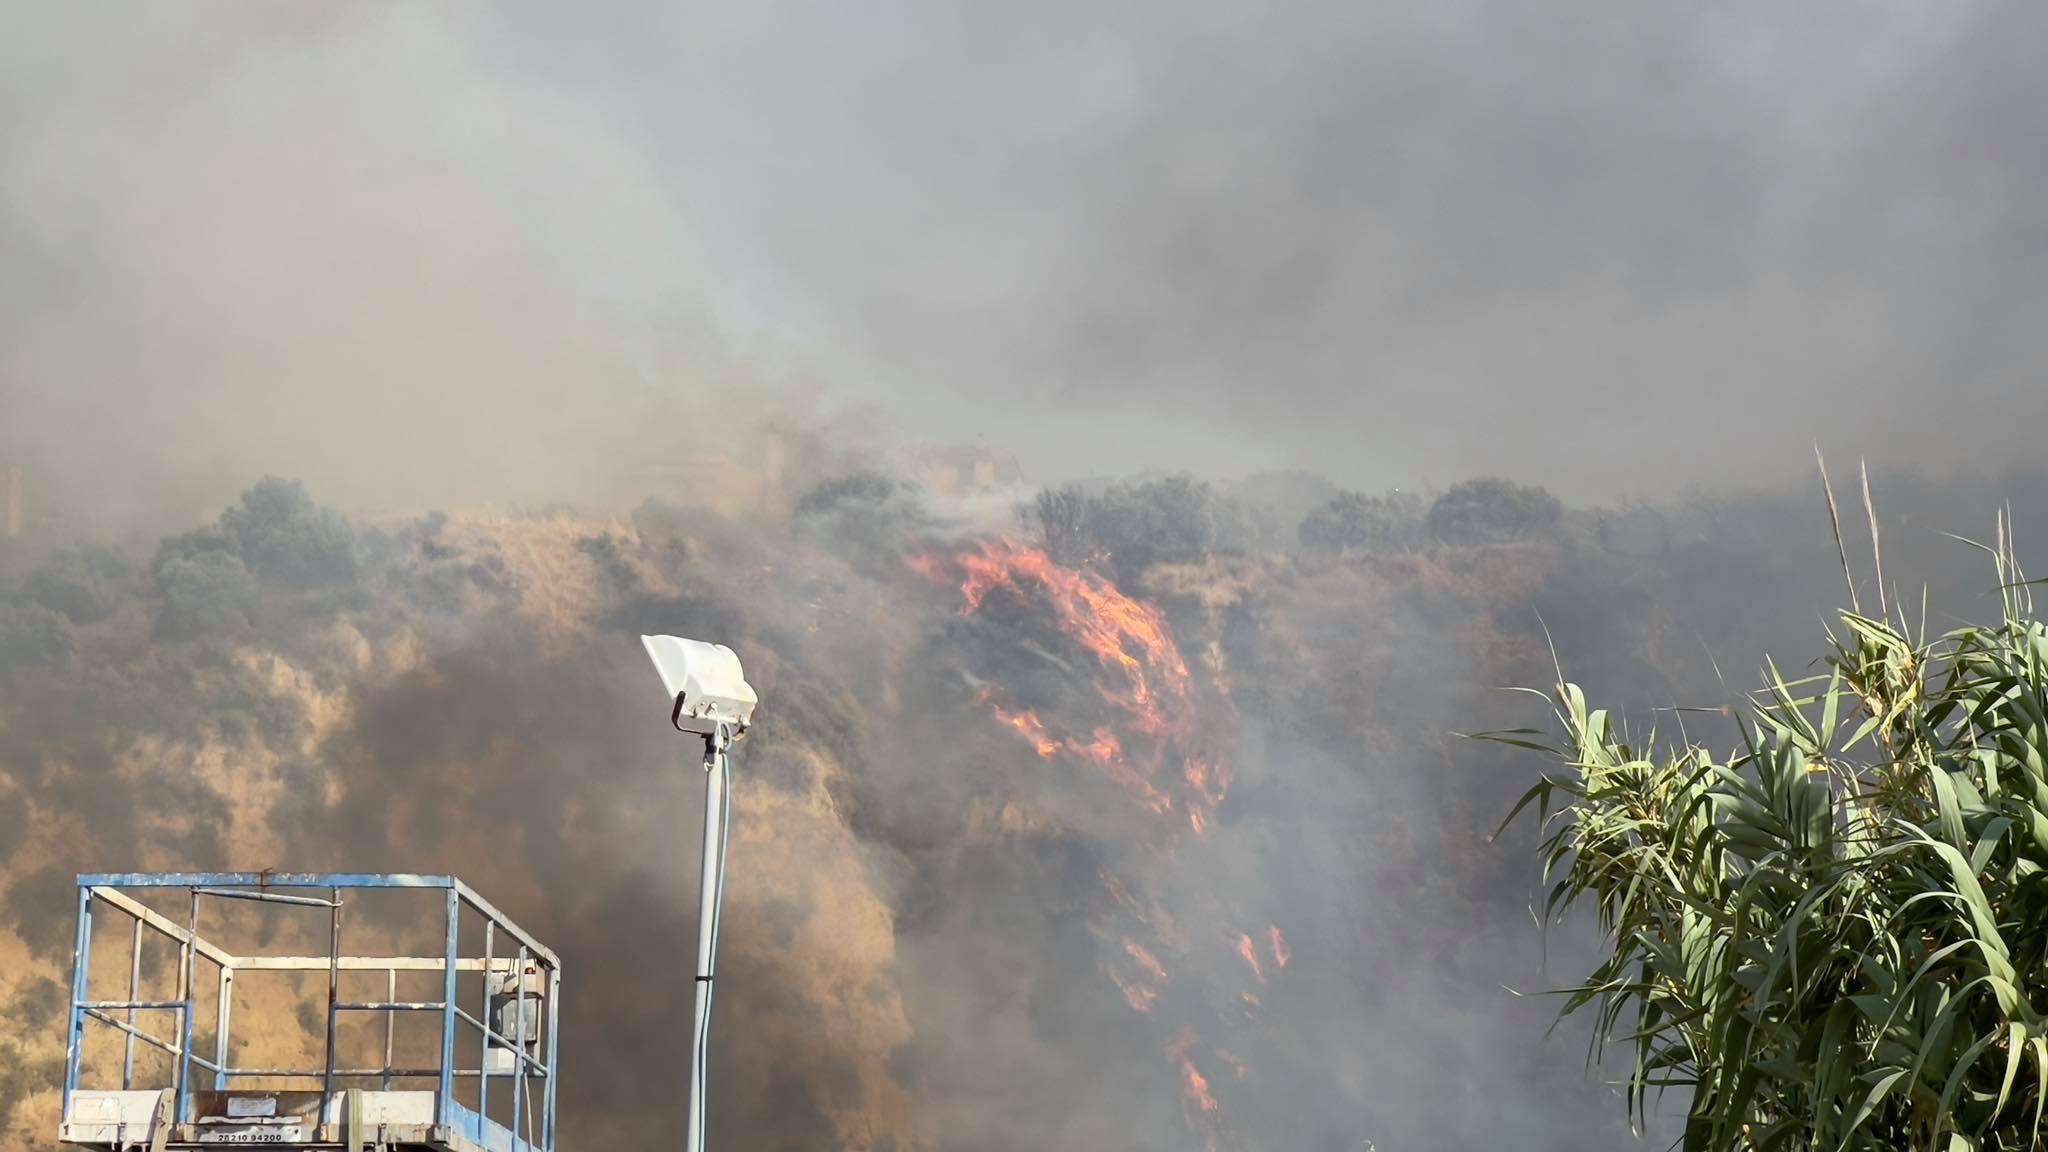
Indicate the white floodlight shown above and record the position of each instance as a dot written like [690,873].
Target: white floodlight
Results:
[708,696]
[704,682]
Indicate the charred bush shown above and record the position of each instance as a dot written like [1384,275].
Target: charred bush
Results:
[1354,522]
[1176,520]
[1062,518]
[1491,511]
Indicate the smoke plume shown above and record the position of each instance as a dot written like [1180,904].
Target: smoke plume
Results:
[1103,794]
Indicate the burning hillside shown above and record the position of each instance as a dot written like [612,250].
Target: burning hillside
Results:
[1132,827]
[1153,738]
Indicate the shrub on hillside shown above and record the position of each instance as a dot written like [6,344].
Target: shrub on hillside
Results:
[82,584]
[32,636]
[283,536]
[1175,520]
[1490,511]
[1355,522]
[203,593]
[865,516]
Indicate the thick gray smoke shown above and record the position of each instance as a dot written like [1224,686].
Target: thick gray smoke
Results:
[394,249]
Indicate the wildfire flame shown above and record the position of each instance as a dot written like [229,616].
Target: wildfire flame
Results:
[1145,960]
[1027,724]
[1157,721]
[1250,952]
[1196,1085]
[1143,676]
[1093,612]
[1139,996]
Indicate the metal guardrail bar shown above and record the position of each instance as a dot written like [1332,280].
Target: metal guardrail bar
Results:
[137,1033]
[265,897]
[483,1044]
[346,1073]
[391,1006]
[547,1110]
[160,922]
[445,1102]
[134,992]
[165,1045]
[491,913]
[224,1000]
[538,1070]
[333,984]
[263,880]
[390,1023]
[186,952]
[473,1022]
[81,956]
[519,1046]
[364,963]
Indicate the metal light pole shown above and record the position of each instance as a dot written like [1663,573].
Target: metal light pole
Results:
[712,699]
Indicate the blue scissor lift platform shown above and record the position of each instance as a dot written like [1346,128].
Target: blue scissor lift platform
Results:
[168,968]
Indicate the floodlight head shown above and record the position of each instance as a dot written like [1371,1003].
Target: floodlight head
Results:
[705,685]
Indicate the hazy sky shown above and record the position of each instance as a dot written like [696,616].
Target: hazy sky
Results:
[421,252]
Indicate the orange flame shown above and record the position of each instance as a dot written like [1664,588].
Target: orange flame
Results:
[1028,724]
[1207,785]
[1158,721]
[1195,1084]
[1145,959]
[1090,609]
[1138,996]
[1250,952]
[1117,891]
[1140,993]
[1145,677]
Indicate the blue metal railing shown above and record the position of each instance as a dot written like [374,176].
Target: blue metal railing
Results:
[531,959]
